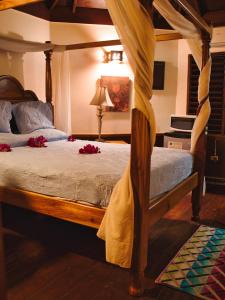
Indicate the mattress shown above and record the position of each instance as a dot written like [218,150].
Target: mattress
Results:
[59,170]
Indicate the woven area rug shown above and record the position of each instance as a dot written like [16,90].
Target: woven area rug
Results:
[199,266]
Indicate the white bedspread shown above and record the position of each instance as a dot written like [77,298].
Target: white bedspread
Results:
[59,170]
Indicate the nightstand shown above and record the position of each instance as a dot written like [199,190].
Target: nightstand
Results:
[177,140]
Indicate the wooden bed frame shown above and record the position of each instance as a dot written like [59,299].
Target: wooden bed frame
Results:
[65,209]
[144,216]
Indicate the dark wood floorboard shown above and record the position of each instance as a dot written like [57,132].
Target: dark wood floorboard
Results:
[49,259]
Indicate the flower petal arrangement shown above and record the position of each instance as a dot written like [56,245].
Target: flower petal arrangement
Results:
[5,148]
[89,149]
[37,142]
[71,138]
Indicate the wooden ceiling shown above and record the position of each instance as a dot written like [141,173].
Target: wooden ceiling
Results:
[95,12]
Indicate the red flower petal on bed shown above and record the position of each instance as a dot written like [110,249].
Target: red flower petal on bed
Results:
[89,149]
[5,148]
[37,142]
[71,138]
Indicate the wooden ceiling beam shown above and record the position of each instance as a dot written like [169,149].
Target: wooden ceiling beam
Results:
[196,18]
[216,18]
[83,15]
[168,37]
[6,4]
[159,38]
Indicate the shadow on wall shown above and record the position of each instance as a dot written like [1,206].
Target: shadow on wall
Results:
[11,63]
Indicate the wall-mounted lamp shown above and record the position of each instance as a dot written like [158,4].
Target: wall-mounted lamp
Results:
[113,55]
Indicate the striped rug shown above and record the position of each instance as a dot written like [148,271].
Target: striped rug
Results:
[199,266]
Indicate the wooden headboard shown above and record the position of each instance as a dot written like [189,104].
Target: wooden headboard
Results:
[11,90]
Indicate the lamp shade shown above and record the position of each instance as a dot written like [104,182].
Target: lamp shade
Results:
[101,96]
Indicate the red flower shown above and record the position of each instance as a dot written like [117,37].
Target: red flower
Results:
[5,148]
[89,149]
[37,142]
[71,138]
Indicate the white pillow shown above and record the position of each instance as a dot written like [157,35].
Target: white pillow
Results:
[5,116]
[32,115]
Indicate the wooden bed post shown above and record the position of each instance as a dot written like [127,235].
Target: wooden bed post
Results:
[48,76]
[140,177]
[200,149]
[2,262]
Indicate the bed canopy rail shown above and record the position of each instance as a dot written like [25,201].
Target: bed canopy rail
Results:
[195,17]
[22,46]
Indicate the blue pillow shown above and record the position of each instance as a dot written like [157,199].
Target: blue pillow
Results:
[32,115]
[5,116]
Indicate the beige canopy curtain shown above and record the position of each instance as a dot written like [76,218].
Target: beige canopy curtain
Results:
[136,33]
[21,46]
[61,89]
[192,34]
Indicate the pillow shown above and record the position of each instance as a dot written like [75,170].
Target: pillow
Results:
[5,116]
[32,115]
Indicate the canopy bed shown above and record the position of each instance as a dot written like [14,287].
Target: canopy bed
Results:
[126,221]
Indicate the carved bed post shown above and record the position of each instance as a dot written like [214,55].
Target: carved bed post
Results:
[200,149]
[2,262]
[140,177]
[48,76]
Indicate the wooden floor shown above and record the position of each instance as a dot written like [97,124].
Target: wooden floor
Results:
[48,259]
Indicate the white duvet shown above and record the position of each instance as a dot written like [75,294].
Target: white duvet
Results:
[59,170]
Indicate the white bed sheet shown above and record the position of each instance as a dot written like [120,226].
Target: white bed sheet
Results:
[18,140]
[59,170]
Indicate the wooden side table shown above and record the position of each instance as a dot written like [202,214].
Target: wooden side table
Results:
[2,262]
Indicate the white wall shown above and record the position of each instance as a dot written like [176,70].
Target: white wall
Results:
[86,69]
[164,101]
[183,52]
[28,68]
